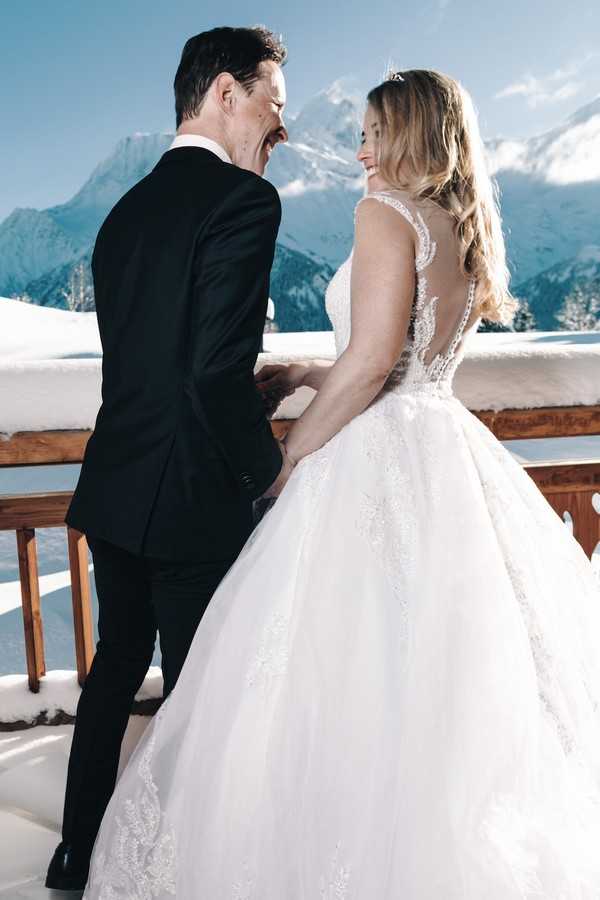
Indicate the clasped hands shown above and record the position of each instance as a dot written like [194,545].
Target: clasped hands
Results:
[278,381]
[275,382]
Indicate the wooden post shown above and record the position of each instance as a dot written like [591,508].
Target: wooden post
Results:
[570,486]
[30,597]
[82,606]
[586,522]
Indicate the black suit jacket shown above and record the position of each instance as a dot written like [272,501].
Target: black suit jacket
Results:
[181,445]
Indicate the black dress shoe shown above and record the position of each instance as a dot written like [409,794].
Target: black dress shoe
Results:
[68,870]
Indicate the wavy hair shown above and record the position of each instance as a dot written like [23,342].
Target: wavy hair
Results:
[431,146]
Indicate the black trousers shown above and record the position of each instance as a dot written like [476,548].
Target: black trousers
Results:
[137,596]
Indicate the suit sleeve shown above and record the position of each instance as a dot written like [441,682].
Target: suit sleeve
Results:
[231,289]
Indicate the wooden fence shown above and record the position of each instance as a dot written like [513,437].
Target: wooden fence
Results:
[568,486]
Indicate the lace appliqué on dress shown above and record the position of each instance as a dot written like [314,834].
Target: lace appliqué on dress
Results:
[542,658]
[412,372]
[271,658]
[243,887]
[335,885]
[386,516]
[312,471]
[141,862]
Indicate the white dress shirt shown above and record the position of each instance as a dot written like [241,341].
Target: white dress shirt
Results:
[198,140]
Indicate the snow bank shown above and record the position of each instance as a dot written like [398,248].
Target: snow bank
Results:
[59,692]
[45,383]
[42,395]
[529,370]
[30,332]
[33,774]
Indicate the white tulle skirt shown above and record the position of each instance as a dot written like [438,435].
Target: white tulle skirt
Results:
[393,694]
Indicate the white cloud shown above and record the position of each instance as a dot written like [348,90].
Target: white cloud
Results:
[559,85]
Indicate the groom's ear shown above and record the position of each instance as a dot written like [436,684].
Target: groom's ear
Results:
[224,91]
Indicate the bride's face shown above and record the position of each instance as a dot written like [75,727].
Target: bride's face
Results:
[368,152]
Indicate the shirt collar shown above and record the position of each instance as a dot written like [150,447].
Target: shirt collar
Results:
[198,140]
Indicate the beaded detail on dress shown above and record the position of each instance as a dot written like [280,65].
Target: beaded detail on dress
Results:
[141,861]
[411,373]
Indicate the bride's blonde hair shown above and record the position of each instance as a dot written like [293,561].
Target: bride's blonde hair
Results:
[430,134]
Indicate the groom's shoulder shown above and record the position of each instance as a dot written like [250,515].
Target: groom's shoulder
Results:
[247,182]
[224,187]
[244,194]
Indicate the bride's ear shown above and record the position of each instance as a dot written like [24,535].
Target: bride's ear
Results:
[223,89]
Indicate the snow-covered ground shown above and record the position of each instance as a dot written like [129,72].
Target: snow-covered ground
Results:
[33,769]
[59,692]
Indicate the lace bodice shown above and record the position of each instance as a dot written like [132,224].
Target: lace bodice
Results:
[435,342]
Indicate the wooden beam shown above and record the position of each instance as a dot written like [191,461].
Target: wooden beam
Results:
[18,511]
[82,603]
[29,448]
[30,599]
[549,421]
[35,448]
[566,477]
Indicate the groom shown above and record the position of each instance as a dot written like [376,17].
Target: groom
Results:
[181,445]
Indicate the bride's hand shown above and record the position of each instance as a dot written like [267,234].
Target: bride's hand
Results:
[277,381]
[286,470]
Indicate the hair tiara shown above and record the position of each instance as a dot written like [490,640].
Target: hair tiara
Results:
[395,76]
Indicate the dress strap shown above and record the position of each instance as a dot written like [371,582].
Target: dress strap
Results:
[427,247]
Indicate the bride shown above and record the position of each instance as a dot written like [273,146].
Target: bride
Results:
[393,694]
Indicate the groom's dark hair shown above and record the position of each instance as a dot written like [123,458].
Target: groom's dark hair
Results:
[238,51]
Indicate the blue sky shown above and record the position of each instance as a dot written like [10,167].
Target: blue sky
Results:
[77,76]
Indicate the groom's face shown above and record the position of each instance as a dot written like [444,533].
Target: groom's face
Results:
[257,125]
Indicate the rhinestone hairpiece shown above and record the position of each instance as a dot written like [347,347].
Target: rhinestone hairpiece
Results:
[395,76]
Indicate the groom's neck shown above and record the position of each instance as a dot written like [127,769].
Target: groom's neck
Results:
[207,129]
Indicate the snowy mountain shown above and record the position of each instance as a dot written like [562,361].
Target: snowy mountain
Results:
[549,185]
[316,173]
[550,192]
[31,242]
[545,292]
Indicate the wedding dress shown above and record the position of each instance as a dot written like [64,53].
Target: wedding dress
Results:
[393,694]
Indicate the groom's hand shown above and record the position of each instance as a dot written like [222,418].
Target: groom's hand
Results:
[272,400]
[275,382]
[281,480]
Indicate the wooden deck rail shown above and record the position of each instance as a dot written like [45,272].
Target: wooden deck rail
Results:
[572,487]
[23,513]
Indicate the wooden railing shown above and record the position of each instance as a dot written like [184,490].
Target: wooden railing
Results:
[23,513]
[568,486]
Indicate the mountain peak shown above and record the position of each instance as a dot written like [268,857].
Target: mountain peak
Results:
[585,113]
[132,158]
[332,118]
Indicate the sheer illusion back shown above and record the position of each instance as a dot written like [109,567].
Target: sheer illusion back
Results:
[442,312]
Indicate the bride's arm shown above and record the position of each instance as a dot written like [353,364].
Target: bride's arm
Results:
[382,292]
[282,379]
[313,372]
